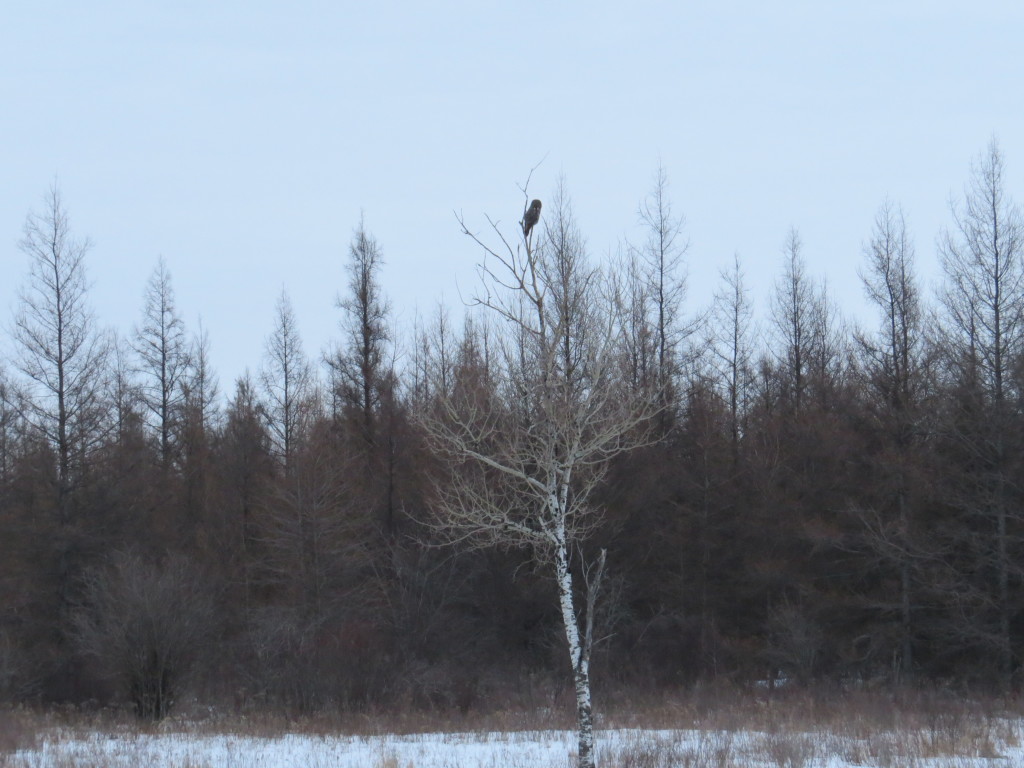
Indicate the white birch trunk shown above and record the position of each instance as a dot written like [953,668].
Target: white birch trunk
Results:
[579,656]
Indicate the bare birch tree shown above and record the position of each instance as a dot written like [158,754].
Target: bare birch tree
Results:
[526,456]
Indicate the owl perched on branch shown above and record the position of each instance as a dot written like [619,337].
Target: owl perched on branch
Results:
[531,217]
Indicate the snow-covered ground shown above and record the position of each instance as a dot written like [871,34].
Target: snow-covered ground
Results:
[527,749]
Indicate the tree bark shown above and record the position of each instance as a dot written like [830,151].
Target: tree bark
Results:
[580,646]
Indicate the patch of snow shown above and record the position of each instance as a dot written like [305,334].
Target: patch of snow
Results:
[526,749]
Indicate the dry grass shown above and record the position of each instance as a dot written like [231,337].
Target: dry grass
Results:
[795,728]
[18,730]
[709,750]
[734,727]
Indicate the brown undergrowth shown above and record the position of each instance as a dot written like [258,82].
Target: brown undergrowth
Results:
[735,726]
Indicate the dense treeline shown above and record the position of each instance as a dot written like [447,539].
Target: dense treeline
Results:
[816,500]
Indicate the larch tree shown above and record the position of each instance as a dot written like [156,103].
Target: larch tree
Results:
[806,329]
[983,261]
[894,366]
[125,397]
[245,463]
[311,539]
[792,319]
[440,346]
[201,385]
[363,379]
[64,360]
[430,368]
[360,366]
[161,345]
[197,431]
[732,346]
[61,353]
[10,414]
[661,257]
[286,379]
[526,456]
[128,458]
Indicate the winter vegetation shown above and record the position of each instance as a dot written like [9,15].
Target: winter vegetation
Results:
[704,728]
[588,476]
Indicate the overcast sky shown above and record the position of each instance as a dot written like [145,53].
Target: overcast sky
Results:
[242,141]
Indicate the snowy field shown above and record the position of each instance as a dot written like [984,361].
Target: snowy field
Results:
[998,744]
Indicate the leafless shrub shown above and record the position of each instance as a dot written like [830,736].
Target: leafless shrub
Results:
[795,642]
[144,623]
[15,673]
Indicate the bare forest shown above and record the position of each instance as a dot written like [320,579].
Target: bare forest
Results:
[589,472]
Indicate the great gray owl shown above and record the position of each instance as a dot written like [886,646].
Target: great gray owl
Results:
[531,218]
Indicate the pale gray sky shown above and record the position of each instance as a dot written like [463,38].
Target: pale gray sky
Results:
[242,141]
